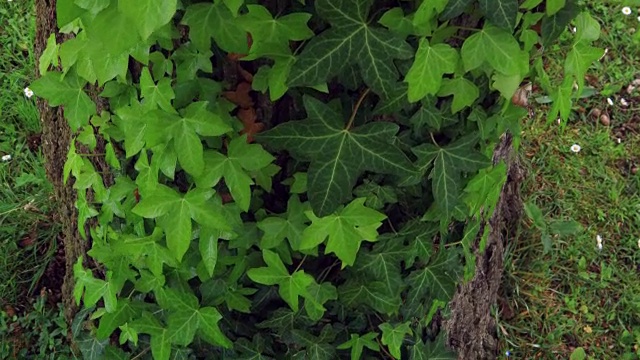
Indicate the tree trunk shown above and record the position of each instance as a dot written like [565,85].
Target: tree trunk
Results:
[471,328]
[56,137]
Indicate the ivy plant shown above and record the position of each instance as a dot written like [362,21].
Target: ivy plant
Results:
[296,180]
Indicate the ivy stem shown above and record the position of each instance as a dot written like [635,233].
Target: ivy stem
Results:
[355,109]
[300,263]
[433,139]
[467,28]
[452,244]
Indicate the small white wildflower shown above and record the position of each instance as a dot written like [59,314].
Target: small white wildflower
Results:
[639,243]
[573,29]
[626,10]
[599,241]
[575,148]
[619,140]
[28,92]
[610,101]
[559,121]
[638,18]
[6,157]
[624,102]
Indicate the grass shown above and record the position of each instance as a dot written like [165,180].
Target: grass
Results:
[27,235]
[577,297]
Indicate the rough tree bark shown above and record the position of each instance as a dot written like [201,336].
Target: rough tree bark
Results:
[471,329]
[56,136]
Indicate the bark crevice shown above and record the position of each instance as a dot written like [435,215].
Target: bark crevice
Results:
[471,328]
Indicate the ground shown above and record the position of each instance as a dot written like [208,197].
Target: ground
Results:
[554,303]
[577,295]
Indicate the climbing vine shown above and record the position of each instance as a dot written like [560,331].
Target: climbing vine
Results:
[292,179]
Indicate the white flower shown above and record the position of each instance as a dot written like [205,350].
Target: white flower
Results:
[559,121]
[639,243]
[626,10]
[6,157]
[573,29]
[610,101]
[599,242]
[575,148]
[624,102]
[638,18]
[619,140]
[28,92]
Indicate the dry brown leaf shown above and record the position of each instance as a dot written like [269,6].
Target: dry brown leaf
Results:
[249,120]
[240,96]
[521,96]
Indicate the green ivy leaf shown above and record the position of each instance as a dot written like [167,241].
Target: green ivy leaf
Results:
[318,295]
[345,152]
[431,351]
[207,20]
[561,97]
[371,294]
[208,326]
[454,9]
[502,13]
[394,20]
[436,281]
[161,346]
[383,264]
[464,92]
[377,195]
[148,15]
[234,5]
[66,90]
[448,163]
[241,158]
[111,29]
[49,55]
[176,213]
[350,40]
[578,61]
[425,16]
[93,6]
[268,33]
[553,26]
[587,28]
[393,336]
[431,63]
[92,348]
[156,95]
[553,6]
[430,118]
[208,245]
[345,229]
[483,190]
[497,47]
[291,286]
[286,226]
[110,321]
[357,343]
